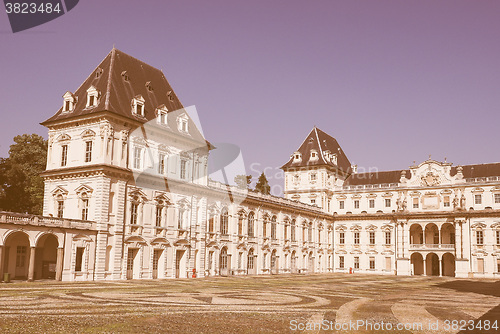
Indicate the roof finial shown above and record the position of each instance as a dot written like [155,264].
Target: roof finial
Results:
[429,157]
[114,46]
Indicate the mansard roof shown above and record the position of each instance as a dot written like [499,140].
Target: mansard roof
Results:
[119,78]
[320,142]
[480,170]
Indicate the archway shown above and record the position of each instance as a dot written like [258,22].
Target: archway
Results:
[448,264]
[310,263]
[431,235]
[432,265]
[447,234]
[223,261]
[46,257]
[417,262]
[416,234]
[17,255]
[293,262]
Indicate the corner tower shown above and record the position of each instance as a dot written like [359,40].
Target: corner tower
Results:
[314,169]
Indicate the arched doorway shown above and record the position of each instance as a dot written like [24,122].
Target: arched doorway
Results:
[417,262]
[274,262]
[310,263]
[223,262]
[46,257]
[432,265]
[448,264]
[416,234]
[293,262]
[17,255]
[251,270]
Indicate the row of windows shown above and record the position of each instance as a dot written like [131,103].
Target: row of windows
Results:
[388,262]
[87,156]
[162,165]
[224,227]
[480,237]
[371,237]
[371,204]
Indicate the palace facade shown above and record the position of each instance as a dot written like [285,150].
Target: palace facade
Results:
[127,196]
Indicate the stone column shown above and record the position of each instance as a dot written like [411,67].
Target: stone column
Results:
[31,270]
[440,264]
[425,266]
[59,263]
[458,239]
[1,263]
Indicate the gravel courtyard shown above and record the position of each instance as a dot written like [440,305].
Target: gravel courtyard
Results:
[270,304]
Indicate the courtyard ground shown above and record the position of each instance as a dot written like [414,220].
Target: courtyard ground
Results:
[340,303]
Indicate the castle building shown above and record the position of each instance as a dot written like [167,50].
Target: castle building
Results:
[128,196]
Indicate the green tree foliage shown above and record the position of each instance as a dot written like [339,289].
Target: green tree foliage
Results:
[262,185]
[243,181]
[21,187]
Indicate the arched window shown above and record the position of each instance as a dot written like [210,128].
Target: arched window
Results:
[224,222]
[223,258]
[273,228]
[250,259]
[292,230]
[85,205]
[250,225]
[240,223]
[310,232]
[60,205]
[285,230]
[211,219]
[264,226]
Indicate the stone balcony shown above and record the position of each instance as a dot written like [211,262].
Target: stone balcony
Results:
[443,247]
[35,220]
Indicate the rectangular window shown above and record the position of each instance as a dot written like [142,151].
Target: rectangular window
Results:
[180,219]
[139,109]
[498,265]
[133,213]
[85,209]
[91,100]
[387,238]
[183,169]
[372,203]
[60,208]
[88,151]
[341,205]
[342,238]
[497,198]
[387,202]
[477,199]
[137,157]
[356,238]
[498,237]
[64,155]
[240,256]
[313,201]
[79,258]
[356,204]
[21,256]
[446,201]
[388,264]
[372,238]
[372,263]
[479,237]
[356,262]
[415,203]
[341,262]
[159,210]
[161,164]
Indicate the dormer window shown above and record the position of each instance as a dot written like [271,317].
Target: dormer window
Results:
[161,114]
[297,157]
[138,105]
[182,123]
[314,155]
[69,102]
[125,76]
[92,97]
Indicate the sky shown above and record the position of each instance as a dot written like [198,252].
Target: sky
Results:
[392,81]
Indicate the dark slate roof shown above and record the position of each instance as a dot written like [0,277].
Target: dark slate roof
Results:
[117,93]
[320,141]
[392,176]
[481,170]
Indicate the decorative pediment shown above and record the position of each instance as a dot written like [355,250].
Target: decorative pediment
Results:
[59,191]
[87,134]
[164,148]
[356,196]
[160,242]
[430,173]
[183,203]
[371,252]
[386,227]
[478,226]
[340,251]
[214,209]
[181,242]
[371,227]
[356,251]
[137,194]
[82,237]
[341,227]
[356,227]
[496,226]
[84,189]
[63,137]
[477,190]
[139,140]
[161,197]
[371,195]
[136,240]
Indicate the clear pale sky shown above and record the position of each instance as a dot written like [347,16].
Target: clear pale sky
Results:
[392,81]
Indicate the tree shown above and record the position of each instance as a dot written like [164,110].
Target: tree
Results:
[243,181]
[21,187]
[262,185]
